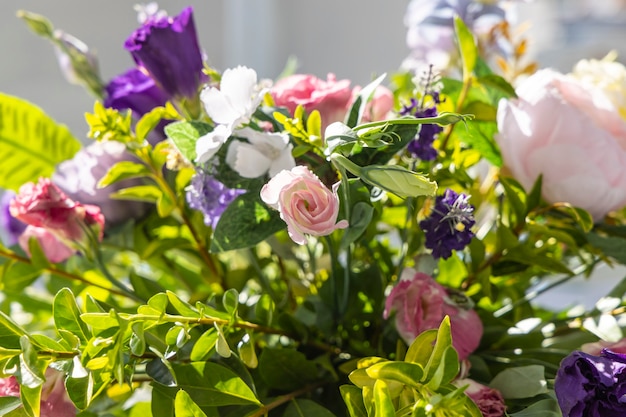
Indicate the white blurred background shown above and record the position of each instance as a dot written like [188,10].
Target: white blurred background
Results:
[355,39]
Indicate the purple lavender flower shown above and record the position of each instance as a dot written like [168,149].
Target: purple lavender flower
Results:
[210,196]
[449,225]
[422,146]
[167,48]
[592,386]
[10,227]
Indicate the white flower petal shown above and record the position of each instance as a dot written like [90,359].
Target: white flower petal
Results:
[208,145]
[247,160]
[239,84]
[218,107]
[284,162]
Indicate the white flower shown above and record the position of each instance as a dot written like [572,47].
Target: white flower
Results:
[265,152]
[208,145]
[236,100]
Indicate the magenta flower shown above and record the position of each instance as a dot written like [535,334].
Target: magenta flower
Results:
[167,48]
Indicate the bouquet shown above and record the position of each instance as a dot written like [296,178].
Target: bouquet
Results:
[226,245]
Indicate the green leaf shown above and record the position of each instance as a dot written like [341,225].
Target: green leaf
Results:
[398,180]
[183,308]
[612,246]
[264,310]
[360,219]
[10,332]
[147,193]
[479,135]
[8,404]
[482,111]
[285,369]
[137,339]
[358,106]
[80,390]
[440,354]
[230,300]
[305,408]
[407,373]
[210,384]
[30,374]
[421,348]
[123,170]
[37,256]
[534,196]
[67,315]
[516,197]
[500,84]
[31,399]
[185,407]
[527,256]
[353,398]
[31,143]
[467,46]
[246,222]
[548,407]
[383,403]
[46,343]
[185,135]
[520,382]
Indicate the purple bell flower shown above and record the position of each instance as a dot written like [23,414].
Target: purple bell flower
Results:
[422,146]
[210,196]
[449,225]
[592,386]
[167,48]
[136,91]
[10,227]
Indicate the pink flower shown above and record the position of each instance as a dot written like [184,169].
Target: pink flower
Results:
[489,400]
[54,399]
[570,133]
[420,304]
[596,348]
[54,250]
[44,205]
[304,203]
[331,97]
[378,107]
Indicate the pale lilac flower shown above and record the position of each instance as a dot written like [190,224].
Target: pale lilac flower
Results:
[210,197]
[10,227]
[263,153]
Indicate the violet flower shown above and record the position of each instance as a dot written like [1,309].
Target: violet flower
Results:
[592,386]
[10,227]
[167,48]
[422,146]
[136,91]
[210,196]
[449,225]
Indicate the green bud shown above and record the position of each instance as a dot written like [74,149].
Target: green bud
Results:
[37,23]
[398,180]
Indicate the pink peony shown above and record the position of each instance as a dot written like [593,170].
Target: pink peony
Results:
[331,97]
[489,400]
[54,250]
[570,133]
[54,399]
[596,348]
[304,203]
[44,205]
[420,304]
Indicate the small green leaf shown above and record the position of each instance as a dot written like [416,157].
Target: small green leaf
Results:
[285,369]
[67,315]
[204,347]
[137,339]
[31,399]
[383,402]
[37,256]
[398,180]
[467,46]
[353,398]
[185,407]
[123,170]
[147,193]
[422,347]
[358,106]
[230,300]
[185,135]
[360,219]
[183,308]
[516,197]
[8,404]
[80,390]
[246,222]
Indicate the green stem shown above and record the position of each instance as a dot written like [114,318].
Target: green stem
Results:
[102,266]
[265,409]
[443,119]
[263,280]
[52,269]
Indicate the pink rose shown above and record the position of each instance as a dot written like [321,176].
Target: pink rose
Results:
[54,399]
[304,203]
[378,107]
[331,97]
[570,133]
[420,304]
[489,400]
[44,205]
[54,250]
[595,348]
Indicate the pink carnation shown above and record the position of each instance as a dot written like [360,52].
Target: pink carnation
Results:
[489,400]
[420,304]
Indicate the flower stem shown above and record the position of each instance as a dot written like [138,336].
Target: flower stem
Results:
[52,269]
